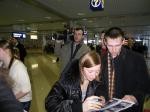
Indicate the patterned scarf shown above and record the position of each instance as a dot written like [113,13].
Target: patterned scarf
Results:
[111,77]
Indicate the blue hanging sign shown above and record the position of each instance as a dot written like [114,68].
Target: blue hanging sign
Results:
[96,5]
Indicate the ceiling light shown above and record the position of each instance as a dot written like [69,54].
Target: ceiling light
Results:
[90,21]
[33,37]
[47,17]
[33,31]
[20,20]
[63,23]
[84,19]
[80,14]
[33,66]
[59,0]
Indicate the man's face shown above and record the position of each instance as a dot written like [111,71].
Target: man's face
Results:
[114,46]
[102,35]
[78,36]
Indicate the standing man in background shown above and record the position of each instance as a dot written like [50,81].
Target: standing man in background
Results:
[124,72]
[73,50]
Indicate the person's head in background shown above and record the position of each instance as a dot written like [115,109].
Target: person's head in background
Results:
[78,35]
[102,34]
[114,39]
[6,52]
[90,66]
[14,41]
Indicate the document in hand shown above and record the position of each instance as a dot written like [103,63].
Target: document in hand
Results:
[116,105]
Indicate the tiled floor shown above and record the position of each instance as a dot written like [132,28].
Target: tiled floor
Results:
[43,73]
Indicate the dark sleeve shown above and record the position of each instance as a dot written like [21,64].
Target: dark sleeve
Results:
[58,101]
[142,81]
[76,106]
[22,50]
[101,91]
[142,76]
[8,102]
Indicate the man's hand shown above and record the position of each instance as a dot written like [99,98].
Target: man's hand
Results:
[130,98]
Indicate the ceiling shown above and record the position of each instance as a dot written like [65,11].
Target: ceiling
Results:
[51,15]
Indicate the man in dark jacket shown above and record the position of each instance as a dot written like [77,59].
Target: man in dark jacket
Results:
[124,73]
[8,102]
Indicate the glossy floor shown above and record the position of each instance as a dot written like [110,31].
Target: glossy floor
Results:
[43,73]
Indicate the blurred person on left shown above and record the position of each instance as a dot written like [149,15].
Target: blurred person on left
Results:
[18,73]
[8,102]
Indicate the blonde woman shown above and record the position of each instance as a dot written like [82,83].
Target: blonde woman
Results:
[78,88]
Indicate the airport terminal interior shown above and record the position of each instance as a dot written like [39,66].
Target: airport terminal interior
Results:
[38,24]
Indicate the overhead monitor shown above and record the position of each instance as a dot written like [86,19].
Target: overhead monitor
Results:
[19,35]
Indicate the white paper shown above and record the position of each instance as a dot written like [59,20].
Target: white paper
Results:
[116,105]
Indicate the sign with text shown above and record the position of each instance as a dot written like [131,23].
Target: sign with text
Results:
[96,5]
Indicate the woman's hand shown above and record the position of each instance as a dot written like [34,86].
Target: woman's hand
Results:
[102,100]
[92,103]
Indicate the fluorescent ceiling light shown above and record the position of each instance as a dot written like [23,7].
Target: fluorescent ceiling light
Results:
[90,21]
[47,17]
[20,20]
[63,23]
[80,14]
[33,66]
[84,19]
[138,40]
[34,31]
[33,37]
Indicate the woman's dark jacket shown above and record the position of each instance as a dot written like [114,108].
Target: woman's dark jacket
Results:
[66,95]
[131,77]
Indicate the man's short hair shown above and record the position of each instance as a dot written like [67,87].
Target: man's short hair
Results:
[79,28]
[103,31]
[114,32]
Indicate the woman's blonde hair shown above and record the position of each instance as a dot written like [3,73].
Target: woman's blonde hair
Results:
[88,60]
